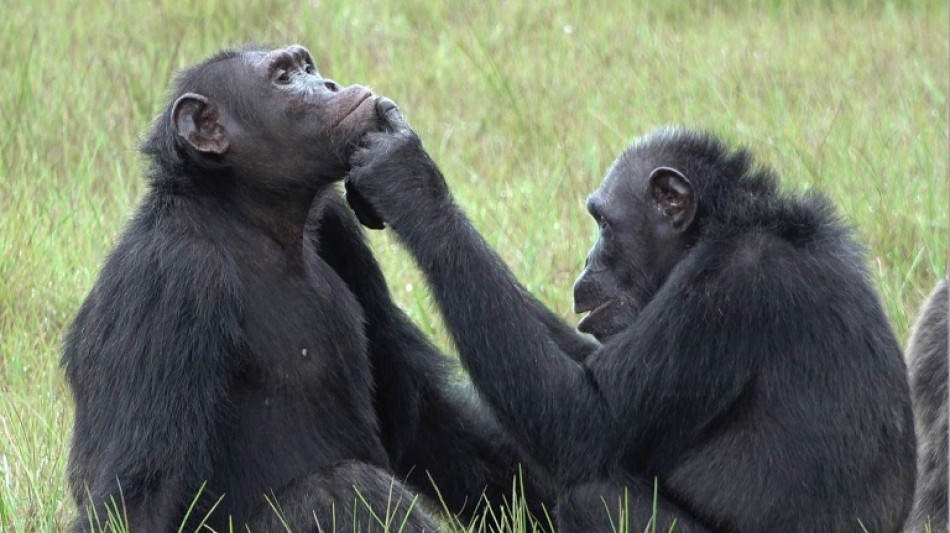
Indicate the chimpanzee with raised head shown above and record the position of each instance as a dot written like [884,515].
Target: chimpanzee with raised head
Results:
[240,342]
[927,354]
[746,368]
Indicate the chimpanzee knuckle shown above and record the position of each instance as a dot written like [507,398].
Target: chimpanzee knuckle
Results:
[410,137]
[406,144]
[382,143]
[408,140]
[372,140]
[396,121]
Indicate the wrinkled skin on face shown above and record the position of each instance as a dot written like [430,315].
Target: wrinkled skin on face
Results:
[643,210]
[271,116]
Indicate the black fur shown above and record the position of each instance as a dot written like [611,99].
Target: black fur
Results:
[755,376]
[230,344]
[927,357]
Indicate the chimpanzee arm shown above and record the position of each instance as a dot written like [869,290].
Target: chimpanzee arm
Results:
[566,337]
[535,388]
[431,423]
[149,357]
[687,356]
[574,344]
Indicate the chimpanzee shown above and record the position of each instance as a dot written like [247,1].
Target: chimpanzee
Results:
[927,355]
[240,351]
[746,368]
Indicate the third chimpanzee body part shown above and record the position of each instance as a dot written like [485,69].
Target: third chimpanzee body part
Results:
[927,354]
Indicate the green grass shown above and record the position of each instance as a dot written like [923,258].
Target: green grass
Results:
[524,105]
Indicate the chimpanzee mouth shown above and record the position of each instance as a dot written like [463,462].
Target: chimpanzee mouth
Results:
[591,314]
[365,94]
[594,308]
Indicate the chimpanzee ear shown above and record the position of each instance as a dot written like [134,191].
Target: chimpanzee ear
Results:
[196,120]
[672,194]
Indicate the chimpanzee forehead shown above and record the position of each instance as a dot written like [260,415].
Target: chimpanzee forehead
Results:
[238,62]
[624,183]
[631,170]
[256,57]
[250,62]
[261,58]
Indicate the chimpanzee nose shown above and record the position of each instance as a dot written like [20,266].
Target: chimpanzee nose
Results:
[331,86]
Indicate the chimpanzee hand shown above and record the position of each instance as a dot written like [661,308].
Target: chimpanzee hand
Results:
[362,208]
[392,177]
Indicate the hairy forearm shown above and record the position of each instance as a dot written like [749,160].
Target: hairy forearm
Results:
[536,390]
[505,339]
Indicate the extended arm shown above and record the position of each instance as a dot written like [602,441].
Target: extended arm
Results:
[538,391]
[432,425]
[145,358]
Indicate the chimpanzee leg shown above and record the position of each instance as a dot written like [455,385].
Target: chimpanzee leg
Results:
[344,498]
[597,507]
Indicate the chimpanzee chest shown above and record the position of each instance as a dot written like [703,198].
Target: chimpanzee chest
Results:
[302,397]
[304,331]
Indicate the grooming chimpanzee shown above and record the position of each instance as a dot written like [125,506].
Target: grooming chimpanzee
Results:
[240,340]
[746,364]
[927,355]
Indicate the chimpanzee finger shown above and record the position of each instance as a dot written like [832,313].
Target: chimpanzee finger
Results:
[362,208]
[389,113]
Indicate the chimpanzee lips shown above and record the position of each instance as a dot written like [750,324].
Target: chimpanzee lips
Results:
[358,96]
[592,312]
[592,307]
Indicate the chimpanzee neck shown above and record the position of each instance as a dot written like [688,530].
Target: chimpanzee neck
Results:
[280,214]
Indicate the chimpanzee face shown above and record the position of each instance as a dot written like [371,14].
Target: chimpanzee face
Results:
[273,118]
[642,210]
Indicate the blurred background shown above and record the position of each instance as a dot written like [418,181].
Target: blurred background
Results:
[523,104]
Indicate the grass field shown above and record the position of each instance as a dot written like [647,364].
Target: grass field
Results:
[524,104]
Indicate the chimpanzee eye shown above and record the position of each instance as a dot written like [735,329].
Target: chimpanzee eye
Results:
[310,69]
[282,76]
